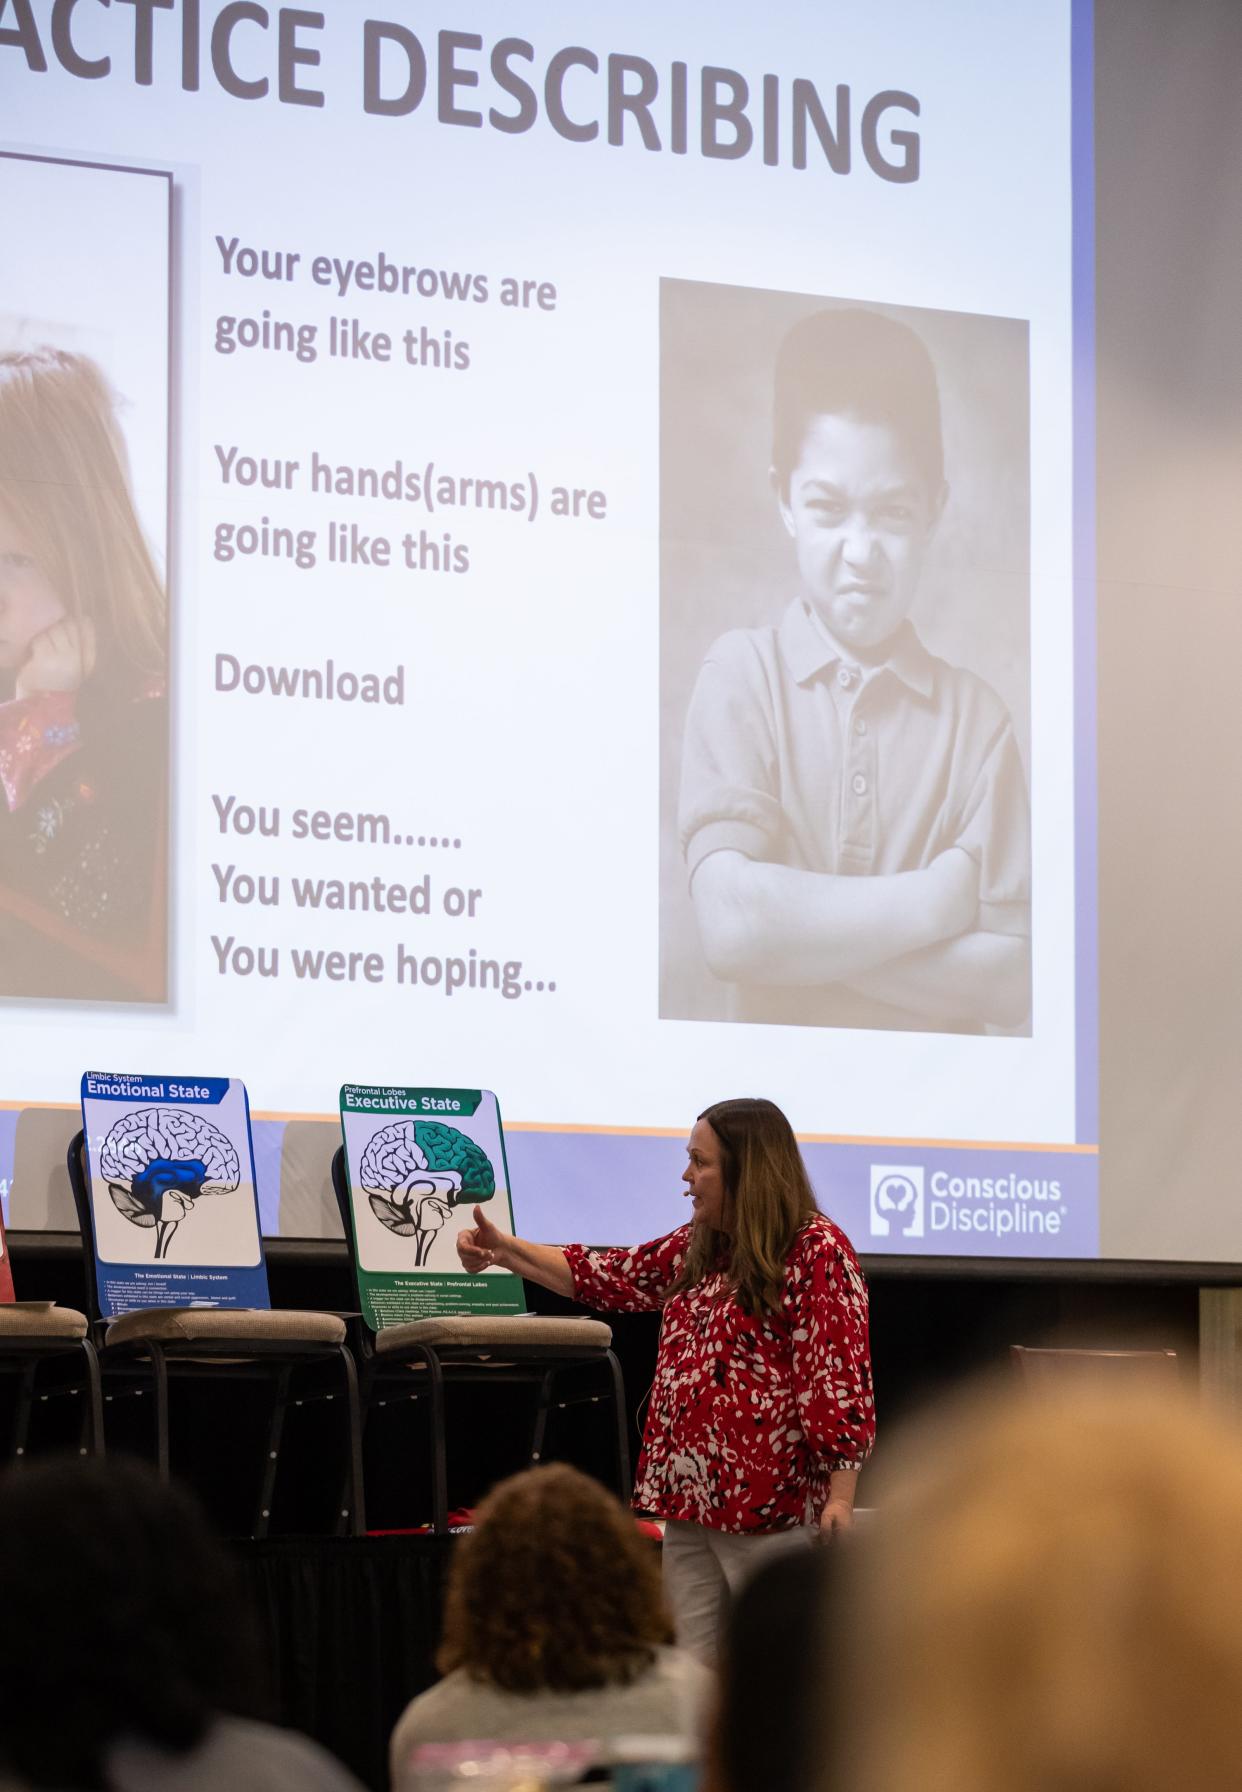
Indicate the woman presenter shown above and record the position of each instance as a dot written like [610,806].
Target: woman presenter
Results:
[761,1412]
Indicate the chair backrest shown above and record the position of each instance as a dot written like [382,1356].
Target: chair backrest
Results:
[163,1178]
[414,1165]
[1049,1367]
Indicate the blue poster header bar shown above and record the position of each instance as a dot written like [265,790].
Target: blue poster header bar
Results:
[107,1085]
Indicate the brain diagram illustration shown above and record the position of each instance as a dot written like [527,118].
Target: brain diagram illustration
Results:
[158,1162]
[414,1172]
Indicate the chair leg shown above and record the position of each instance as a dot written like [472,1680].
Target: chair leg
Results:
[543,1400]
[275,1431]
[22,1410]
[621,1418]
[355,1468]
[439,1443]
[91,1436]
[159,1375]
[355,1512]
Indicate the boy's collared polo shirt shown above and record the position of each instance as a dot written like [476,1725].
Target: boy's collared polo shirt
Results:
[796,756]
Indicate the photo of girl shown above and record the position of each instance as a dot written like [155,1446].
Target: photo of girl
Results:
[83,696]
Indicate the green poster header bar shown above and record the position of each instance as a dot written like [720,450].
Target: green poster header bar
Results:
[357,1098]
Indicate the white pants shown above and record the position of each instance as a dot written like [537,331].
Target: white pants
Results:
[703,1569]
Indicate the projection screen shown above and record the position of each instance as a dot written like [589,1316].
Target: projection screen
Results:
[599,601]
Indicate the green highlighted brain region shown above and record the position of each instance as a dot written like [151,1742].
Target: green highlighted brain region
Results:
[413,1174]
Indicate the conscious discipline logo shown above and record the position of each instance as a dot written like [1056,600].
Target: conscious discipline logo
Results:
[897,1200]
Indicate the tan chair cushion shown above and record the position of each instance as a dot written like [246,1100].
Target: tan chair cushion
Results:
[226,1325]
[484,1333]
[49,1322]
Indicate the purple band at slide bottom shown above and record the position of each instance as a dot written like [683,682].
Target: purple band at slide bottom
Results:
[906,1200]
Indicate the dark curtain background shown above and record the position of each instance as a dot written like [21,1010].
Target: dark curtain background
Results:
[349,1629]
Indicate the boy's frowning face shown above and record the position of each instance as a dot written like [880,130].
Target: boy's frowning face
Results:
[861,516]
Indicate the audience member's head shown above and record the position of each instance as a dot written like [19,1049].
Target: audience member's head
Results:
[765,1733]
[553,1589]
[1050,1601]
[118,1618]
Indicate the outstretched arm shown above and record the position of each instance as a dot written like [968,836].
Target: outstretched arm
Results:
[767,923]
[485,1244]
[623,1279]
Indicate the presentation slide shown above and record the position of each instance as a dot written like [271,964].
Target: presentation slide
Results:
[544,552]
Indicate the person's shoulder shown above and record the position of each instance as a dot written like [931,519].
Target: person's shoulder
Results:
[673,1696]
[819,1236]
[452,1684]
[678,1668]
[967,693]
[278,1750]
[663,1255]
[456,1688]
[667,1244]
[439,1712]
[145,711]
[126,732]
[237,1752]
[743,654]
[817,1230]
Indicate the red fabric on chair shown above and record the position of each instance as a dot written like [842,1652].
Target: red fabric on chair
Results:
[6,1274]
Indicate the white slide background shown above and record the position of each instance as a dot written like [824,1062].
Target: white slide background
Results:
[529,730]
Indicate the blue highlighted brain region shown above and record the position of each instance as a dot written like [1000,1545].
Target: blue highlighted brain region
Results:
[158,1162]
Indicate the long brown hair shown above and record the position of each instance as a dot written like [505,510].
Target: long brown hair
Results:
[554,1588]
[64,481]
[768,1197]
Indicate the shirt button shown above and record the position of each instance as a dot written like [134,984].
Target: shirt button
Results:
[859,784]
[845,676]
[860,725]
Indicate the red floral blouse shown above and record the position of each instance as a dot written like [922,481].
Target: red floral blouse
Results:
[748,1417]
[36,734]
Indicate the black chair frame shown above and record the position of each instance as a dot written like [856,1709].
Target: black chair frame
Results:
[75,1370]
[137,1362]
[532,1365]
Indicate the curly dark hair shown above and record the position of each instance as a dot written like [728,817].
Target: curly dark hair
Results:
[554,1589]
[120,1613]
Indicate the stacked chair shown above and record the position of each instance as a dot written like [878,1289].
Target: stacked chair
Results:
[213,1321]
[430,1354]
[42,1344]
[292,1352]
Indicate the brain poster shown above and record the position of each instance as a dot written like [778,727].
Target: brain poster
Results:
[173,1203]
[418,1162]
